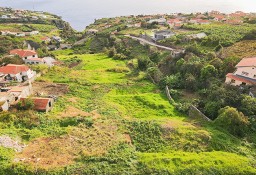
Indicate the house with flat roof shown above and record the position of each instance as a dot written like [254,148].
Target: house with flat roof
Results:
[163,34]
[245,73]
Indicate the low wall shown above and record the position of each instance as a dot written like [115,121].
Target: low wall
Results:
[197,114]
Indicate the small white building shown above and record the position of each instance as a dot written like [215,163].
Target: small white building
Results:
[35,61]
[163,34]
[15,72]
[245,73]
[24,54]
[49,61]
[160,21]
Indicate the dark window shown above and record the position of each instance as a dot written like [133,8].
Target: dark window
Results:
[50,104]
[243,83]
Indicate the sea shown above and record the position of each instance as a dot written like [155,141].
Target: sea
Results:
[80,13]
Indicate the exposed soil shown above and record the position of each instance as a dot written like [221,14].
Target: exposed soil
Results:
[48,153]
[73,112]
[45,89]
[7,142]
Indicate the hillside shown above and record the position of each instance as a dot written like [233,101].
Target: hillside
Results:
[111,112]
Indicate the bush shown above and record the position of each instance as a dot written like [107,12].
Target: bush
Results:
[233,121]
[25,104]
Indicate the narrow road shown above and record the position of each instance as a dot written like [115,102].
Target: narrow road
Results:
[150,43]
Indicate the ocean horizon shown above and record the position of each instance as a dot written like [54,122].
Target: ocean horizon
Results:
[80,13]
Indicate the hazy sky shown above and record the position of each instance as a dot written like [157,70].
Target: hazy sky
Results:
[83,12]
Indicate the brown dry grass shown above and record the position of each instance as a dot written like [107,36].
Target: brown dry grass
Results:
[44,89]
[71,111]
[241,49]
[48,153]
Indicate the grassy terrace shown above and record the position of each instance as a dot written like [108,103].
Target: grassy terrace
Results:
[112,121]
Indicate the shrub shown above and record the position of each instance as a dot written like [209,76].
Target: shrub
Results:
[25,104]
[233,121]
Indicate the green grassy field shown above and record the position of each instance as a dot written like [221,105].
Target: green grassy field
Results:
[112,122]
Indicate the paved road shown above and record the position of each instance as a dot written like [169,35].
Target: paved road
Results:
[150,43]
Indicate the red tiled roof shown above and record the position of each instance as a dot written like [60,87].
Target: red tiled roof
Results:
[247,62]
[234,77]
[174,21]
[39,103]
[13,69]
[22,53]
[203,21]
[44,38]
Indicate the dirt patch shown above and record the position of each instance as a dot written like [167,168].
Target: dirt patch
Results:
[73,112]
[45,89]
[74,64]
[8,142]
[48,153]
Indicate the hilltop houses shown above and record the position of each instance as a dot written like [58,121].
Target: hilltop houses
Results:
[245,73]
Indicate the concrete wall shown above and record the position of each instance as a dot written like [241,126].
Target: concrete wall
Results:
[197,114]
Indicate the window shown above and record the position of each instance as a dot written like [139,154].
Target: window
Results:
[243,83]
[50,104]
[245,73]
[254,76]
[233,81]
[26,58]
[34,56]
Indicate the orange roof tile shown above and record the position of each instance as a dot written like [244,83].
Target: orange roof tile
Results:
[39,103]
[13,69]
[22,53]
[247,62]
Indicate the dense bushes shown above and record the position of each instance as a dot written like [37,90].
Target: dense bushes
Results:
[233,121]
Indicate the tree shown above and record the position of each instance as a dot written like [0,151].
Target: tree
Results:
[248,105]
[208,71]
[233,121]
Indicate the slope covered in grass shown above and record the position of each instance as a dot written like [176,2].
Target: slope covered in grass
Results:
[116,122]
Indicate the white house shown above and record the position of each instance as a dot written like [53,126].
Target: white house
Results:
[18,73]
[160,21]
[49,61]
[162,34]
[35,61]
[24,54]
[245,73]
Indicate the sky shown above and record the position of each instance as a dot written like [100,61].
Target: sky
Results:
[80,13]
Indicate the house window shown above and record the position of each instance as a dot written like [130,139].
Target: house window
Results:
[50,104]
[245,73]
[33,55]
[233,81]
[243,83]
[32,62]
[26,58]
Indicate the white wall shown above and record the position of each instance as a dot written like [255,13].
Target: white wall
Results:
[250,70]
